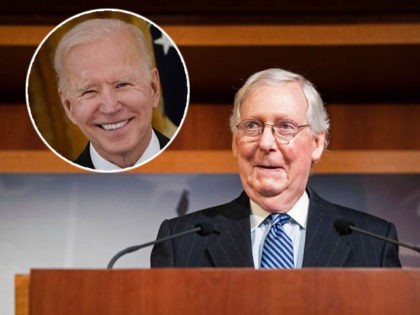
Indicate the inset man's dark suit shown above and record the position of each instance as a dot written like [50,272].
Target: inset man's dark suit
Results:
[230,245]
[85,159]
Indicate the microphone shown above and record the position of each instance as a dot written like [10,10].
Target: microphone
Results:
[344,226]
[203,228]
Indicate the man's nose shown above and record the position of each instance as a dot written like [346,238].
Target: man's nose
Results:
[109,101]
[267,140]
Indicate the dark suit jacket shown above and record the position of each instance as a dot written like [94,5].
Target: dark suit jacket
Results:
[230,245]
[85,160]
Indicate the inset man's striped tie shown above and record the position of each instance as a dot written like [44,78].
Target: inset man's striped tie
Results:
[278,248]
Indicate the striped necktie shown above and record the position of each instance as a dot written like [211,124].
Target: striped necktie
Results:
[278,248]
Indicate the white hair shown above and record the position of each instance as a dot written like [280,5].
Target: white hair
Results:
[316,113]
[93,29]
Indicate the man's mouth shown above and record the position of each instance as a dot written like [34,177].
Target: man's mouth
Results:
[114,126]
[269,167]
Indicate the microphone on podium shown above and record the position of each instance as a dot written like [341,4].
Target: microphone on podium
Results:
[344,226]
[203,228]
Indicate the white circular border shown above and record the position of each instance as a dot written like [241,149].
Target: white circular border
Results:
[137,16]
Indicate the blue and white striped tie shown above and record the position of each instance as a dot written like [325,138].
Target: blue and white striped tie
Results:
[278,248]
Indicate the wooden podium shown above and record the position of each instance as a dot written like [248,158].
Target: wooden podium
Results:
[223,291]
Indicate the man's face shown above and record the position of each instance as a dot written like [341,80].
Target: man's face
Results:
[110,96]
[275,175]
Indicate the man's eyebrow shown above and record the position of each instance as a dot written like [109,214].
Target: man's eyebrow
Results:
[84,86]
[127,77]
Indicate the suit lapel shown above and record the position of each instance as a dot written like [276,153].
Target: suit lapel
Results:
[162,139]
[232,246]
[84,158]
[324,247]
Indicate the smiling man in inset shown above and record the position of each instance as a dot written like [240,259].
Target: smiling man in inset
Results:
[109,88]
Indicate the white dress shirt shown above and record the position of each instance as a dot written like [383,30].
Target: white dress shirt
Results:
[103,165]
[295,229]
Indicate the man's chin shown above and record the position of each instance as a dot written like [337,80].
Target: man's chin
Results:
[269,187]
[117,150]
[268,190]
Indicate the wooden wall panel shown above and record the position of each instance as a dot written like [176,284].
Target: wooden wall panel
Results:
[17,132]
[365,68]
[353,127]
[206,127]
[222,161]
[375,127]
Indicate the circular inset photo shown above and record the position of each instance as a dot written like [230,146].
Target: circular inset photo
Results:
[107,90]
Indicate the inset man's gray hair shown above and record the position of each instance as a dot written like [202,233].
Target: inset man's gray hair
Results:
[316,113]
[90,30]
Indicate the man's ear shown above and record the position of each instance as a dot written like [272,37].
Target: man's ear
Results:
[65,101]
[155,85]
[234,145]
[318,143]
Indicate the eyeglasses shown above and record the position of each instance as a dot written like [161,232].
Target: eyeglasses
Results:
[283,130]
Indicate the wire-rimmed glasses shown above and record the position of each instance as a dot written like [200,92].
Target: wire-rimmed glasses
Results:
[283,130]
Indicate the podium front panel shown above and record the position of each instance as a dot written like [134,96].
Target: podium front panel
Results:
[225,291]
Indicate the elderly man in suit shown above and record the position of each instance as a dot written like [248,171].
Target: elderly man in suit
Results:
[280,128]
[109,88]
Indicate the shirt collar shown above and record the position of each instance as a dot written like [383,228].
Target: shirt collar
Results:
[104,165]
[298,213]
